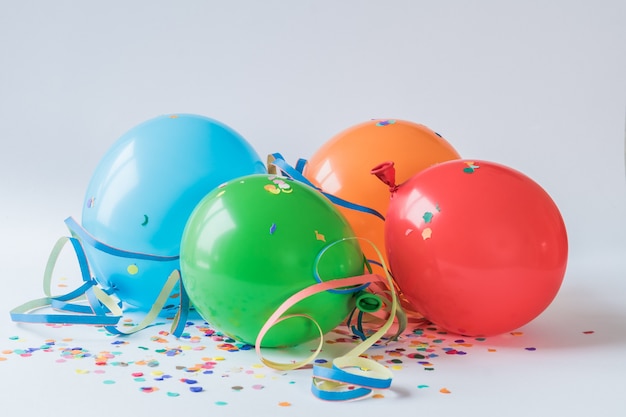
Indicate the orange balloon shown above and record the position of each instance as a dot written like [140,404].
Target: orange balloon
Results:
[342,166]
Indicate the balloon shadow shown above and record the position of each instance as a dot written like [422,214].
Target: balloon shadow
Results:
[577,318]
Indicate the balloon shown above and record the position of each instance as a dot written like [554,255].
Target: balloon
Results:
[257,240]
[341,167]
[477,247]
[143,191]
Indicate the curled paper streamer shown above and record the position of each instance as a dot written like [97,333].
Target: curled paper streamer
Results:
[89,304]
[276,160]
[362,375]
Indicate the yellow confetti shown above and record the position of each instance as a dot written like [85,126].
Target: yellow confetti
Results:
[378,396]
[132,269]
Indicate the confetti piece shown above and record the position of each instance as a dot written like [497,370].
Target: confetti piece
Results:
[588,332]
[471,167]
[189,381]
[284,404]
[517,333]
[132,269]
[385,122]
[427,233]
[444,391]
[272,189]
[428,217]
[272,228]
[319,236]
[173,394]
[378,396]
[531,349]
[108,382]
[221,403]
[195,389]
[422,386]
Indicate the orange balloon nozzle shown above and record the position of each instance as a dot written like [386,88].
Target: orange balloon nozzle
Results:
[387,174]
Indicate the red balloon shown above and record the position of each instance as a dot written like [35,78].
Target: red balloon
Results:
[478,248]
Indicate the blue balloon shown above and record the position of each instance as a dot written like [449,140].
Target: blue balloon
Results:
[144,190]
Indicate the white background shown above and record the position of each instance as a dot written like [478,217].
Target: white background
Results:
[536,85]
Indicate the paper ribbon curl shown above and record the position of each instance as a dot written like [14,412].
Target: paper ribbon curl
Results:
[350,376]
[89,304]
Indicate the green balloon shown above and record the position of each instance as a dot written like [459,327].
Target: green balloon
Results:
[252,243]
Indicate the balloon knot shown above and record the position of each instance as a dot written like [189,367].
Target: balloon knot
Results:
[387,174]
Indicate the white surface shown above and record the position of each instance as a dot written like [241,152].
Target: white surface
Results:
[538,86]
